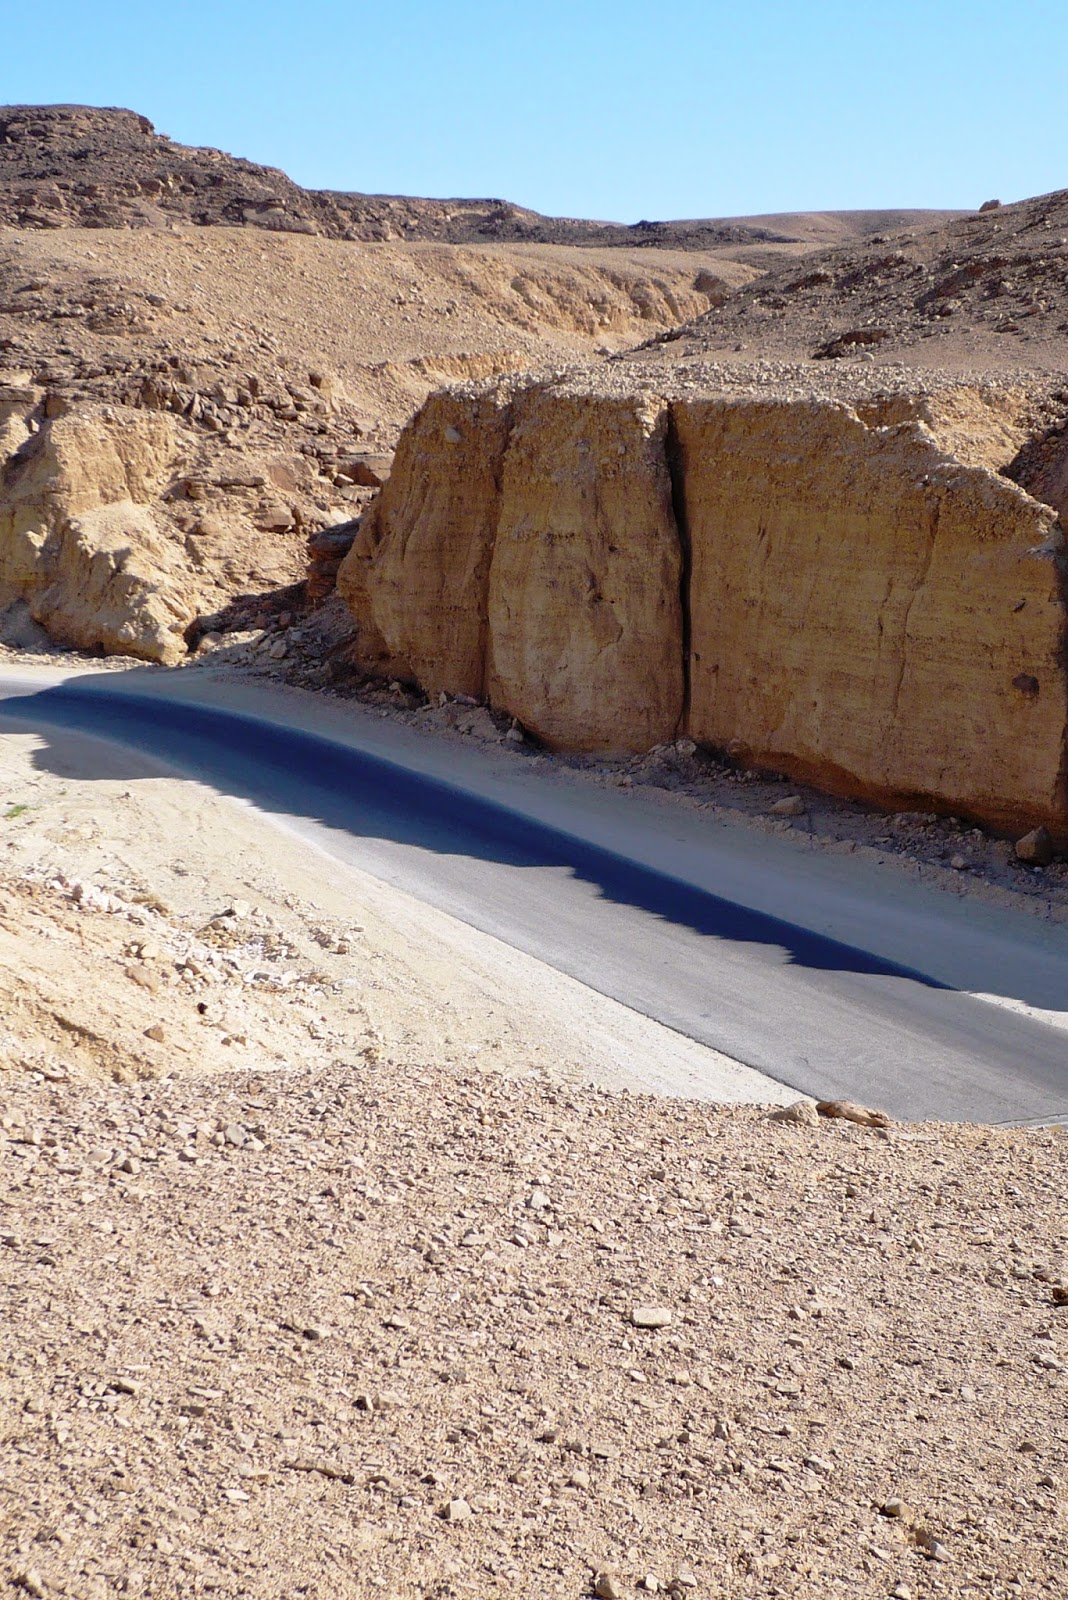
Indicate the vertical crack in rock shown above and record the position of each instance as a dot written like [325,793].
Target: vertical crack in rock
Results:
[584,604]
[676,471]
[917,590]
[843,599]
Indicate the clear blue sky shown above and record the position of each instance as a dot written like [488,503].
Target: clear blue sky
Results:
[601,108]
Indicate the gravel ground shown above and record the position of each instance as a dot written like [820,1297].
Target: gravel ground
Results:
[375,1328]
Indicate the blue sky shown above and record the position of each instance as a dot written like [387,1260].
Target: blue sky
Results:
[587,108]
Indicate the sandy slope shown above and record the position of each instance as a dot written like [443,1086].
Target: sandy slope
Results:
[321,956]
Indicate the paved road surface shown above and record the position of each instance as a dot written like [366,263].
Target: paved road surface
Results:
[812,968]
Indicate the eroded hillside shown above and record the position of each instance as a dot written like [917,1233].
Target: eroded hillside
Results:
[278,371]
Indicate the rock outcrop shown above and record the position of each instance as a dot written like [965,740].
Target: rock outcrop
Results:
[585,532]
[792,580]
[79,545]
[869,614]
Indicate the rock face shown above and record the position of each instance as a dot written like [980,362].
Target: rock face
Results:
[864,610]
[585,610]
[418,573]
[78,544]
[811,590]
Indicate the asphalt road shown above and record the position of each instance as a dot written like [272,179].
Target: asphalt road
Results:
[812,970]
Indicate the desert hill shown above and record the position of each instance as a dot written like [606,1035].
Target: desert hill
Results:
[84,166]
[988,288]
[279,364]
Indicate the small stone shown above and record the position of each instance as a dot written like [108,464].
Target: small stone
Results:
[897,1508]
[31,1582]
[958,863]
[901,1591]
[790,805]
[607,1586]
[156,1032]
[1036,848]
[651,1583]
[455,1511]
[683,1579]
[651,1316]
[803,1113]
[538,1200]
[1059,1293]
[931,1547]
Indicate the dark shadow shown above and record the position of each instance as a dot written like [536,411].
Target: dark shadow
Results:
[307,775]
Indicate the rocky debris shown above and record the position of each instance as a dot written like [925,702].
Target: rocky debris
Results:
[367,471]
[485,1415]
[990,282]
[801,1113]
[791,805]
[326,551]
[528,549]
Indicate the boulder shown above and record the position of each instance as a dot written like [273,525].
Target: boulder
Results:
[78,544]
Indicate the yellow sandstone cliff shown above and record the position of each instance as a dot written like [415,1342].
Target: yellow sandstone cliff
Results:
[837,596]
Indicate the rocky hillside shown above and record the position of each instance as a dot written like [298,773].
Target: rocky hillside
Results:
[833,576]
[989,287]
[277,370]
[84,166]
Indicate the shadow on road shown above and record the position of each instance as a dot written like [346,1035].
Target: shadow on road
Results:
[306,775]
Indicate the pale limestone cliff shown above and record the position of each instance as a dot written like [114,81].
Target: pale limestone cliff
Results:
[815,591]
[585,613]
[870,614]
[78,544]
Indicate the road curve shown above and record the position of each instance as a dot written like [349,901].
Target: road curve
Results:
[812,970]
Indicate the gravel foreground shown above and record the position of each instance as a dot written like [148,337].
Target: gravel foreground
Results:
[372,1328]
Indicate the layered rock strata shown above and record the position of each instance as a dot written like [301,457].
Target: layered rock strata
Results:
[793,580]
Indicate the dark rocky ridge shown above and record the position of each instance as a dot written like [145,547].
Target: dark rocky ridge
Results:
[81,166]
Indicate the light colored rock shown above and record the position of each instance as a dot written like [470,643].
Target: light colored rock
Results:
[79,543]
[1036,848]
[802,1113]
[790,805]
[585,619]
[607,1586]
[861,604]
[416,577]
[652,1316]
